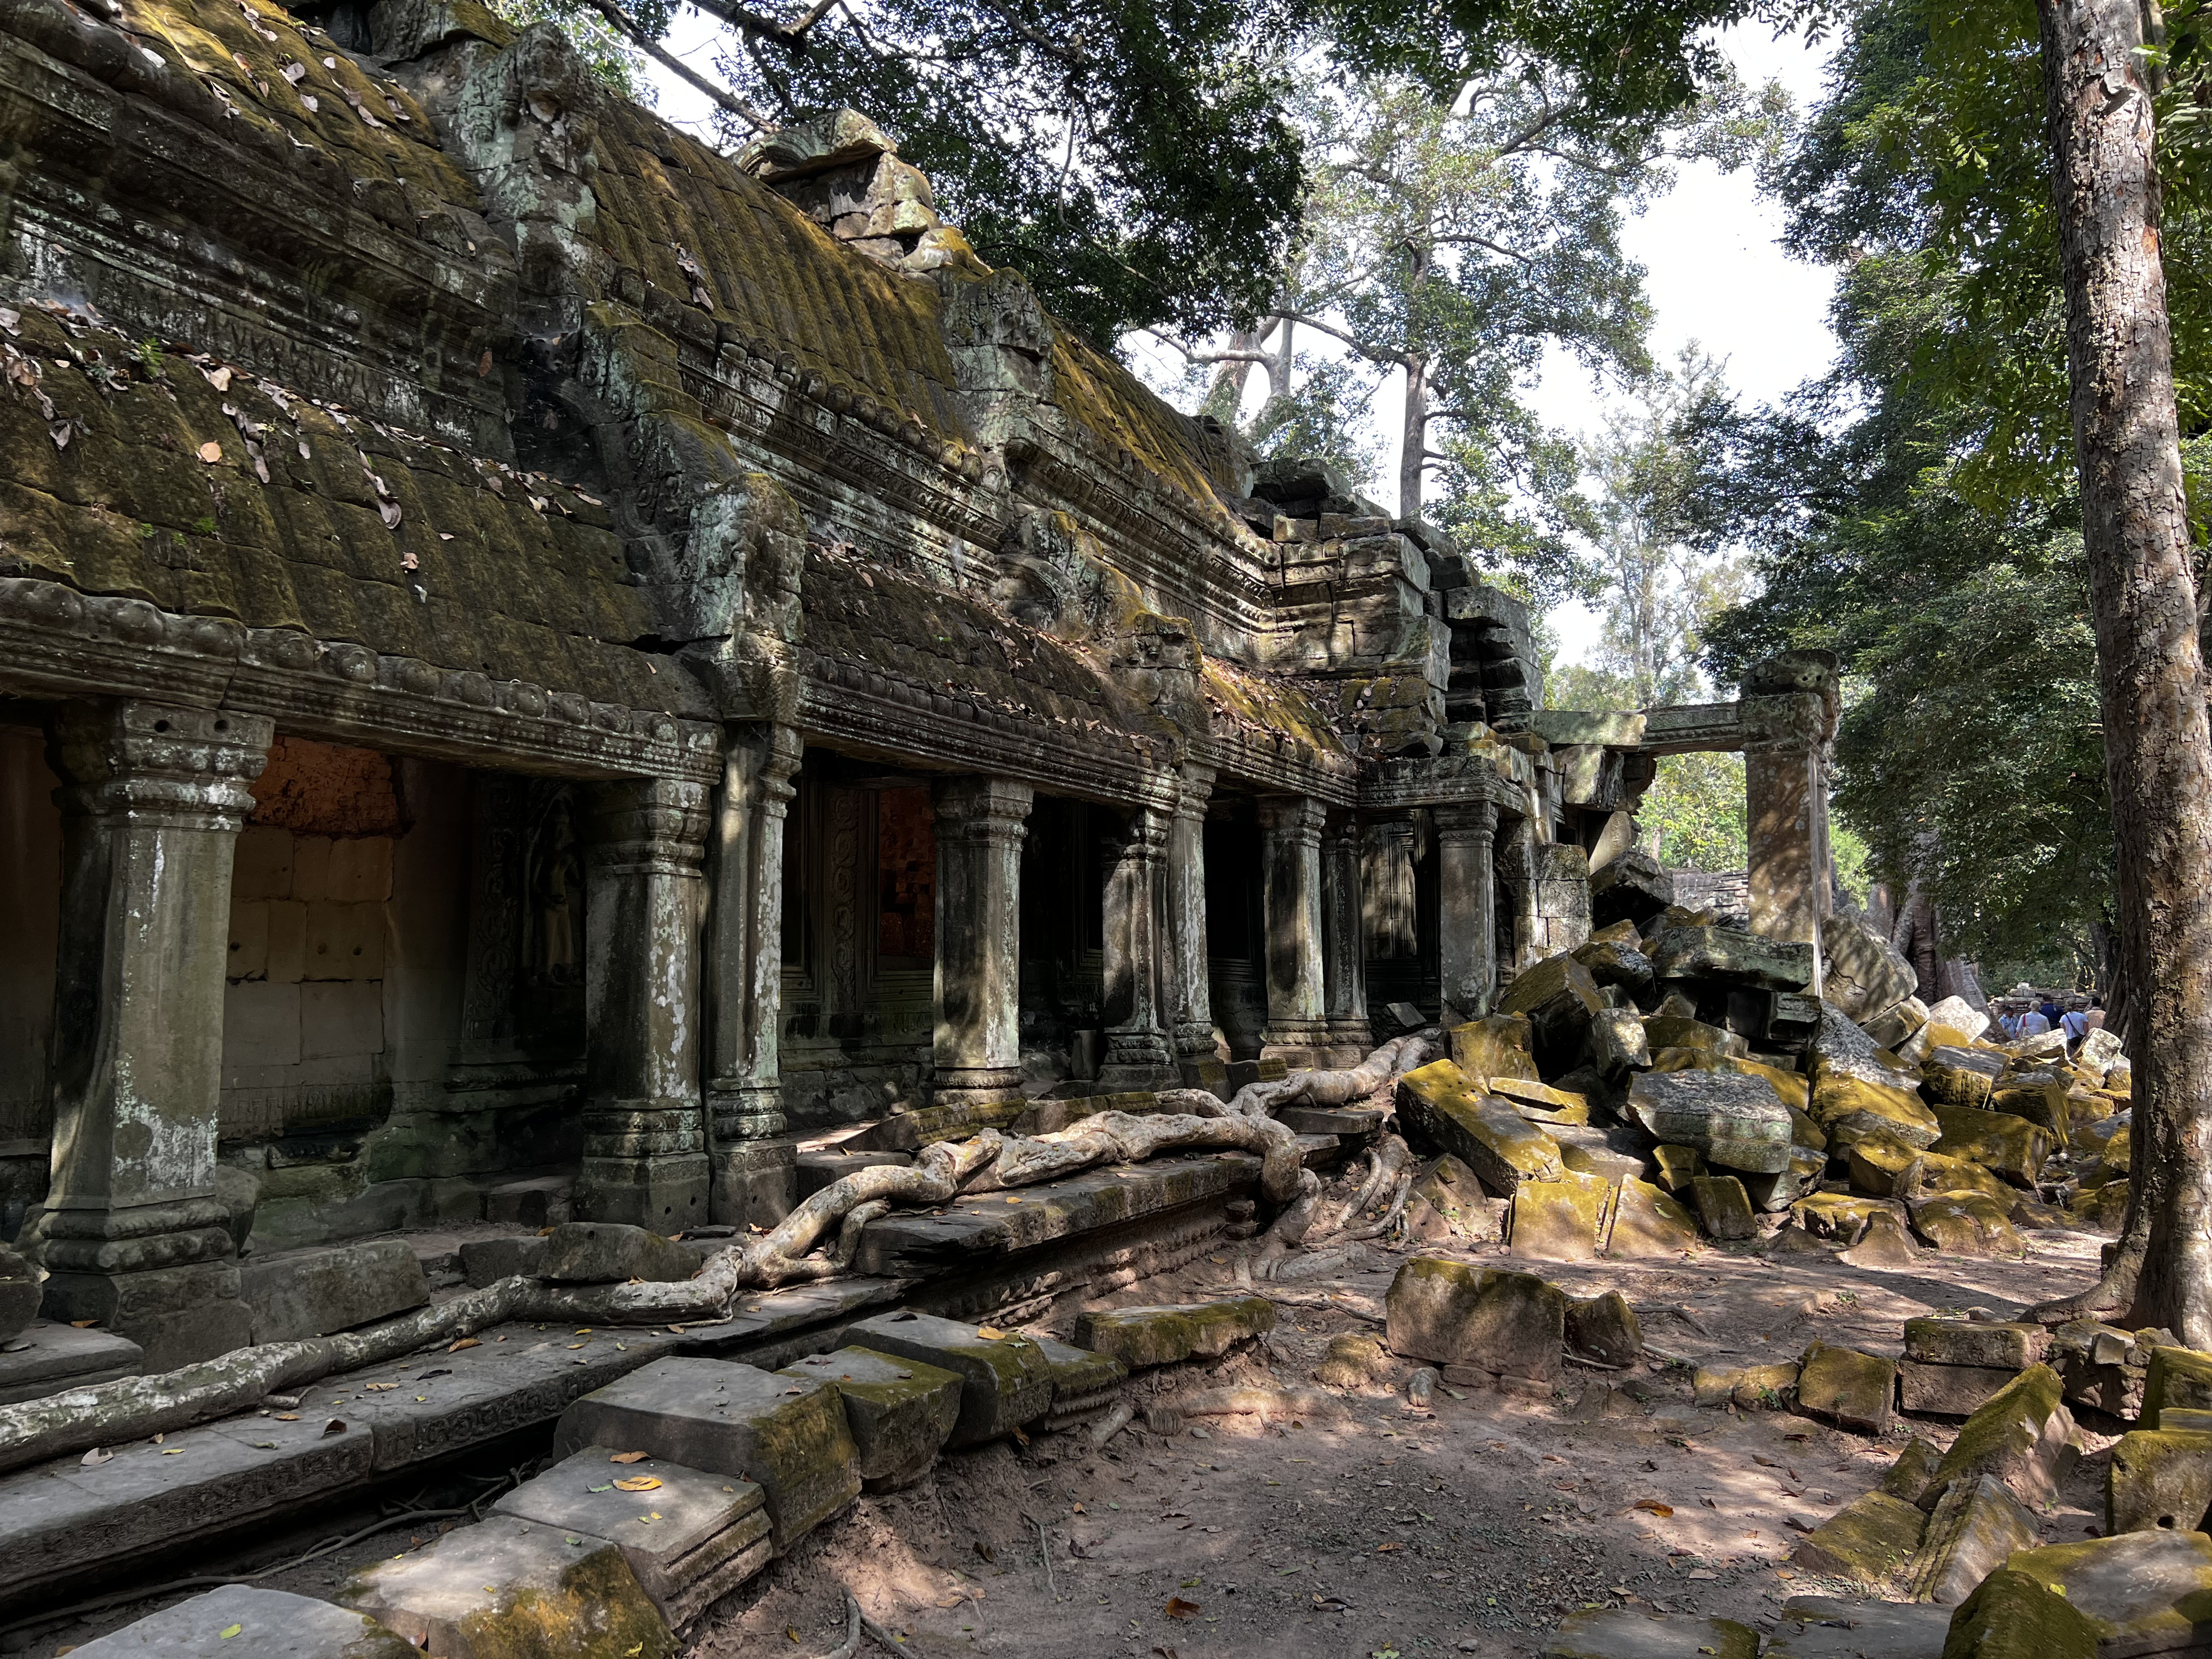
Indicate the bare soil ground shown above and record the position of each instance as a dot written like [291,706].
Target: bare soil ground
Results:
[1387,1531]
[1378,1531]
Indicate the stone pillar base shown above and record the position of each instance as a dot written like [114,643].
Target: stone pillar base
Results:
[179,1315]
[1122,1079]
[1353,1033]
[665,1194]
[1298,1056]
[755,1182]
[1207,1072]
[742,1112]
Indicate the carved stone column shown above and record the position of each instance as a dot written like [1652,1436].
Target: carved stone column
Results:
[1344,940]
[1386,886]
[644,1141]
[1466,914]
[976,1046]
[1184,993]
[1290,836]
[1786,811]
[754,1178]
[151,800]
[1137,1052]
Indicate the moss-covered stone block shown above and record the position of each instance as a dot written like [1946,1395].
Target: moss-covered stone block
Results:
[1869,1542]
[1841,1215]
[1882,1166]
[1138,1337]
[1857,1390]
[1005,1380]
[1972,1342]
[2142,1592]
[2177,1376]
[1540,1102]
[506,1588]
[1680,1031]
[2158,1477]
[1960,1077]
[1678,1165]
[732,1419]
[1850,1108]
[1940,1172]
[900,1410]
[1448,1202]
[1914,1470]
[1736,1122]
[1648,1224]
[1971,1531]
[1605,1328]
[239,1618]
[1443,1106]
[1966,1224]
[1562,1220]
[1748,1388]
[1499,1045]
[1724,1207]
[2007,1145]
[2023,1434]
[1451,1313]
[2013,1615]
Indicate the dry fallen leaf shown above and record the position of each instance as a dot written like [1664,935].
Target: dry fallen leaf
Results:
[1179,1608]
[638,1483]
[1385,1549]
[465,1342]
[630,1457]
[990,1333]
[335,1426]
[1662,1510]
[211,452]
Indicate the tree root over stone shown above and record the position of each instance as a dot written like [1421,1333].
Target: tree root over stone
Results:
[139,1407]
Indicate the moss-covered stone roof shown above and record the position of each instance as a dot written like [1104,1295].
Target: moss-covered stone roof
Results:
[147,474]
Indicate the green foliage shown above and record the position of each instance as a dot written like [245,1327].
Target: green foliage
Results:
[1916,511]
[1692,815]
[1321,415]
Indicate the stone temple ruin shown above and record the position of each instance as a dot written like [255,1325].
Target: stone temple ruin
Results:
[547,665]
[556,681]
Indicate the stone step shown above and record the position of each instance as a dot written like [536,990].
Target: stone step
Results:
[691,1537]
[238,1619]
[327,1288]
[44,1357]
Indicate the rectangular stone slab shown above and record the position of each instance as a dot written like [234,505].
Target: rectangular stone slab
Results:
[2014,1348]
[1947,1390]
[1869,1542]
[734,1420]
[900,1410]
[1736,1122]
[1443,1105]
[1005,1382]
[683,1537]
[511,1586]
[2145,1592]
[295,1294]
[1162,1335]
[264,1623]
[1830,1627]
[56,1356]
[1975,1529]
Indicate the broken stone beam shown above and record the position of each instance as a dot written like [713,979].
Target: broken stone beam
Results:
[1506,1324]
[1160,1336]
[901,1411]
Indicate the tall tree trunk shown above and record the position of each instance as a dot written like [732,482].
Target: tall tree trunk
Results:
[2158,749]
[1282,360]
[1413,451]
[1225,396]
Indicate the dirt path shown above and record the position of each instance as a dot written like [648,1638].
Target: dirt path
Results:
[1386,1531]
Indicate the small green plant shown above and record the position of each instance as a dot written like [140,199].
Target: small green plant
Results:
[204,525]
[149,357]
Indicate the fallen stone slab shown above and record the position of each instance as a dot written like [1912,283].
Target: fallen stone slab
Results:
[1948,1390]
[2142,1592]
[1509,1324]
[1005,1382]
[1748,1387]
[1162,1335]
[1605,1328]
[1960,1077]
[510,1586]
[1558,996]
[1883,1244]
[2158,1477]
[1724,1207]
[1853,1390]
[1882,1166]
[1633,1634]
[1830,1627]
[1869,1542]
[1678,1165]
[1616,1042]
[1955,1022]
[1648,1223]
[730,1419]
[1851,1107]
[1975,1526]
[1664,1030]
[1561,1220]
[1541,1102]
[1442,1105]
[1733,954]
[1914,1470]
[1498,1045]
[1863,973]
[1449,1203]
[46,1357]
[2012,1616]
[1596,1157]
[488,1261]
[1895,1025]
[1842,1216]
[1733,1122]
[2003,1145]
[316,1291]
[2011,1346]
[2176,1376]
[1616,962]
[238,1620]
[900,1410]
[1966,1225]
[2023,1434]
[1084,1385]
[1348,1122]
[614,1253]
[691,1537]
[1771,1195]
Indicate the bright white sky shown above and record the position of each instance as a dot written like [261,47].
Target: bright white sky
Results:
[1714,273]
